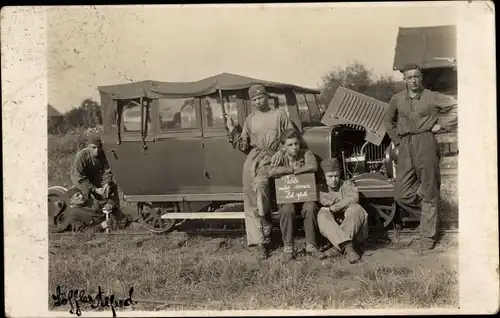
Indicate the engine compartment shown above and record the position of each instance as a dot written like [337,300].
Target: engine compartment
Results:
[357,155]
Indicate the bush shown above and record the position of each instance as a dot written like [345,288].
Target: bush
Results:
[358,78]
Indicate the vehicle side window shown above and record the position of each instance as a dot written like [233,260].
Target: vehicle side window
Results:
[131,117]
[313,107]
[304,113]
[213,110]
[177,113]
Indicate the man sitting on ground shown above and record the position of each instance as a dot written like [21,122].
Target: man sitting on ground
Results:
[341,219]
[297,161]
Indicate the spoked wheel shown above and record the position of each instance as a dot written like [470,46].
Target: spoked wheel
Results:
[150,216]
[386,213]
[58,207]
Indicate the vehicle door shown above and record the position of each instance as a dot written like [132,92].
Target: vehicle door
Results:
[125,146]
[223,163]
[177,155]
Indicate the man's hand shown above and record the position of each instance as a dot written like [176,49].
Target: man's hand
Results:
[436,128]
[276,158]
[107,224]
[326,209]
[105,190]
[99,191]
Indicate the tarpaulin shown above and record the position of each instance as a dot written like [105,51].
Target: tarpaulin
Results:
[207,86]
[429,47]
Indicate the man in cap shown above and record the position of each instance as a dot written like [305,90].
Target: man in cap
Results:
[412,118]
[297,161]
[92,178]
[260,139]
[341,219]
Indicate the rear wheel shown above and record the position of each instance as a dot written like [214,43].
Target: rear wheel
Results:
[58,208]
[150,216]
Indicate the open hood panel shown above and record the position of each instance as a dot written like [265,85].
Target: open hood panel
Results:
[348,107]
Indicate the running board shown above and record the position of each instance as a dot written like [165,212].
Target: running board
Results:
[204,215]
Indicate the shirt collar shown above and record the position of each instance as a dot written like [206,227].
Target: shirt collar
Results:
[416,96]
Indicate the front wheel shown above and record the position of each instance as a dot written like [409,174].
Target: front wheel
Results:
[150,216]
[385,212]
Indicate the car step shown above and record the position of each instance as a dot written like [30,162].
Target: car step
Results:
[204,215]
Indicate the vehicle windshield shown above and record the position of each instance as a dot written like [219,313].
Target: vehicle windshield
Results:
[309,110]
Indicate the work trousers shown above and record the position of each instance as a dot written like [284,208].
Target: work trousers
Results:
[309,212]
[256,194]
[354,226]
[83,217]
[418,180]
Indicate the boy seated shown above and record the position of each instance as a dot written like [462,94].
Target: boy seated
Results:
[341,219]
[296,161]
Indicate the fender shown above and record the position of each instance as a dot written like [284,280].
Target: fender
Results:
[374,185]
[319,140]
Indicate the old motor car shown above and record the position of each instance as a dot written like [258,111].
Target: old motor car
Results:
[167,145]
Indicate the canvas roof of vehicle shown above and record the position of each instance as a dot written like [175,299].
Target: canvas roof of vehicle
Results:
[207,86]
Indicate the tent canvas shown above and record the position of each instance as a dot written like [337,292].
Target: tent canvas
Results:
[430,47]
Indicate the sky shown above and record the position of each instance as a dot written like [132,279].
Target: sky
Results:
[297,44]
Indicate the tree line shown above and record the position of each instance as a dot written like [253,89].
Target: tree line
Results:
[355,76]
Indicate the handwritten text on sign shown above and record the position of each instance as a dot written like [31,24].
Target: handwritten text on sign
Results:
[296,188]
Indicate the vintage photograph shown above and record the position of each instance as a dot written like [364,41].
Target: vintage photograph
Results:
[241,166]
[252,157]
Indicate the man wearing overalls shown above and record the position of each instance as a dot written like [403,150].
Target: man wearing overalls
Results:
[412,118]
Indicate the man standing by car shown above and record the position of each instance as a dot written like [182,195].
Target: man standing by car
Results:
[297,161]
[412,119]
[91,174]
[341,219]
[260,139]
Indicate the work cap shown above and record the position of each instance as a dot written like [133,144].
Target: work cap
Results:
[94,138]
[330,165]
[256,90]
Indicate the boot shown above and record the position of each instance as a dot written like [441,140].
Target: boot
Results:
[288,252]
[351,255]
[313,251]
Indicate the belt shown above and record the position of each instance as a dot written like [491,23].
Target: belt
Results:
[414,133]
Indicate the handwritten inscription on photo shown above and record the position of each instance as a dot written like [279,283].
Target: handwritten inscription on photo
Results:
[75,298]
[296,188]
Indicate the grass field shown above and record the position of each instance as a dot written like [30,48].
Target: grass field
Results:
[221,274]
[179,272]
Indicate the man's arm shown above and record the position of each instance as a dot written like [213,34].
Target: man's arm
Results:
[279,171]
[350,195]
[391,120]
[326,199]
[107,175]
[310,164]
[78,177]
[448,107]
[241,139]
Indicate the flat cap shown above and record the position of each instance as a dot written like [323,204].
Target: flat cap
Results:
[94,138]
[330,165]
[256,90]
